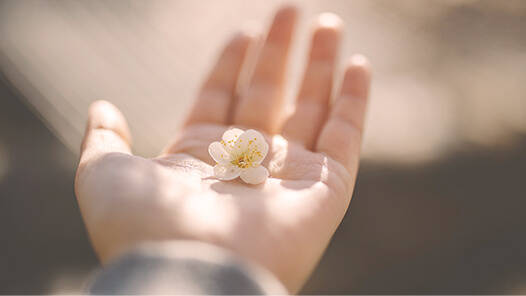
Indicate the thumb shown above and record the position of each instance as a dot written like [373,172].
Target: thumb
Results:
[107,132]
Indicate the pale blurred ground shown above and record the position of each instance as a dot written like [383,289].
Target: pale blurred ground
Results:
[439,204]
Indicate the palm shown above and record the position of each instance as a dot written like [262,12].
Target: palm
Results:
[283,224]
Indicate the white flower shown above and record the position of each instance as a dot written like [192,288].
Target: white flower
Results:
[240,153]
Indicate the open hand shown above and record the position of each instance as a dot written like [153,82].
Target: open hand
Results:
[283,224]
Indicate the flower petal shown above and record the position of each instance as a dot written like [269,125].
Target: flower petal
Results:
[255,175]
[219,154]
[253,143]
[226,172]
[230,137]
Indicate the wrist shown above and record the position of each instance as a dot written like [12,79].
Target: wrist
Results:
[183,267]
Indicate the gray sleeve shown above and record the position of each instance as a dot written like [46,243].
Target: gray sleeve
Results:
[182,267]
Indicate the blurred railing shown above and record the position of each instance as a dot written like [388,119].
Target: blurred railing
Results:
[446,73]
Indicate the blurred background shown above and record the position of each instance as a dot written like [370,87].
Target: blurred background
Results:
[440,198]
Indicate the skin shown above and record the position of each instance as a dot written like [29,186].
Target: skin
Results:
[285,224]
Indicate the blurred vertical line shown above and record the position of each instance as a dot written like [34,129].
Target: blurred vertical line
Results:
[59,126]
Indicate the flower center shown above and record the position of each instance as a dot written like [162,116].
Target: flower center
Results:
[244,161]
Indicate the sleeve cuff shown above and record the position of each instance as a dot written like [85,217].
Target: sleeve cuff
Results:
[183,267]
